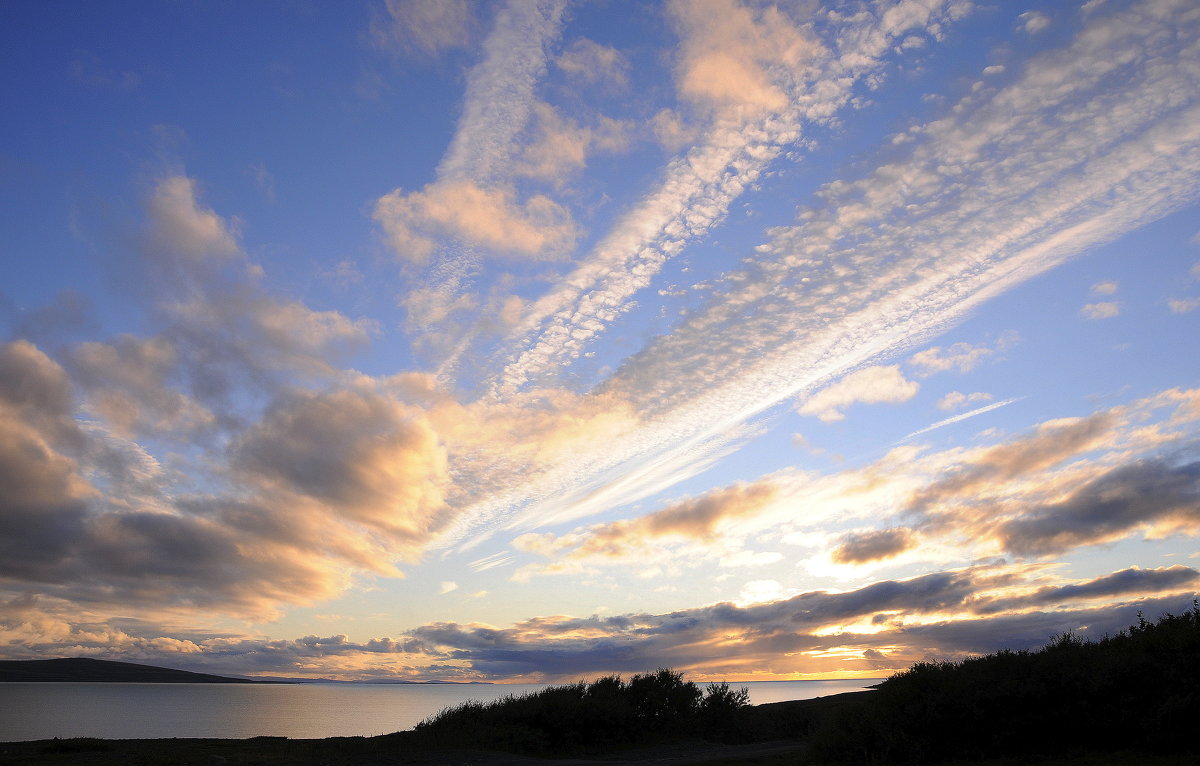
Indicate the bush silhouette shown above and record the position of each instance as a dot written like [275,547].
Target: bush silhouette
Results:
[605,712]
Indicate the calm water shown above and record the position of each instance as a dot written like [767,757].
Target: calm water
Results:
[136,711]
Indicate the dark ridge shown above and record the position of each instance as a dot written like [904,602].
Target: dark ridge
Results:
[85,669]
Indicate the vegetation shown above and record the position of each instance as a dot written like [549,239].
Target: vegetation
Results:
[1136,691]
[608,712]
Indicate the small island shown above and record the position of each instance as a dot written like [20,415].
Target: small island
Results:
[89,670]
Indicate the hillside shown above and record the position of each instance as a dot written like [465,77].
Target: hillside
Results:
[85,669]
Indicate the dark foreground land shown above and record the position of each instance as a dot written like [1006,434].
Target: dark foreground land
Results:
[1133,698]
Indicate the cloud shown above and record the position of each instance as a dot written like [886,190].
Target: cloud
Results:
[730,52]
[875,545]
[493,219]
[1103,310]
[181,229]
[961,357]
[128,383]
[1033,21]
[818,632]
[671,130]
[1104,288]
[473,200]
[1183,305]
[956,400]
[500,94]
[219,322]
[424,26]
[929,239]
[46,498]
[761,591]
[696,190]
[366,457]
[1150,492]
[1048,445]
[68,315]
[590,62]
[447,586]
[697,518]
[76,526]
[870,385]
[770,635]
[561,145]
[961,417]
[1124,582]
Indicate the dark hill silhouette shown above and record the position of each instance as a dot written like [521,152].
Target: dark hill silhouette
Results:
[92,670]
[1137,691]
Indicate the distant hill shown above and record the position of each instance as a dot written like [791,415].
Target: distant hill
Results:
[86,669]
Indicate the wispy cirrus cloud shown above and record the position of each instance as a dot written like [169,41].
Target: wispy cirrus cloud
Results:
[806,82]
[1031,495]
[798,317]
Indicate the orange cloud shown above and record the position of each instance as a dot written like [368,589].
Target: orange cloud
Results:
[697,518]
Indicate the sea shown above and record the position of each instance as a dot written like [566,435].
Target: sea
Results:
[31,711]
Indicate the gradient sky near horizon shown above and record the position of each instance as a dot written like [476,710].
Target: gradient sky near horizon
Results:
[435,339]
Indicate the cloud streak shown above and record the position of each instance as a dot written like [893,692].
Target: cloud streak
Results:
[979,203]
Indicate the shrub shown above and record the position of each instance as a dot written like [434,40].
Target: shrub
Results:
[605,712]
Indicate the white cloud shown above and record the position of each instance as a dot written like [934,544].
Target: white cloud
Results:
[424,26]
[1183,305]
[499,96]
[962,417]
[741,559]
[870,385]
[956,400]
[1034,21]
[762,591]
[698,188]
[1102,310]
[447,586]
[1104,288]
[998,191]
[962,357]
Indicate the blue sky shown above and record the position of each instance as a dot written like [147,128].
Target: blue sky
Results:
[537,340]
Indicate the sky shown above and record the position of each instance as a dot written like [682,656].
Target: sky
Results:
[534,341]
